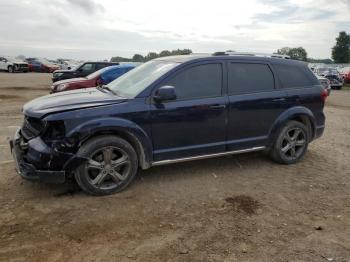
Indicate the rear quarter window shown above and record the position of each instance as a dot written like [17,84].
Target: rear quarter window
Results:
[293,76]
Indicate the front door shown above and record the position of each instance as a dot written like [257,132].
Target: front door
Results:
[195,123]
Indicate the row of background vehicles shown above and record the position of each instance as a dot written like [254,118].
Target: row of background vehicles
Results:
[65,75]
[12,64]
[70,74]
[331,77]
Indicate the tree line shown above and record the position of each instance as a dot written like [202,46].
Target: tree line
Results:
[151,55]
[340,51]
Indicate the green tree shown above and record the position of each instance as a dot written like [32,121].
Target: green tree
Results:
[150,56]
[181,52]
[138,58]
[298,53]
[165,53]
[120,59]
[341,50]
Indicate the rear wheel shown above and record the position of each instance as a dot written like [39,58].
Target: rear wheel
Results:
[291,144]
[111,166]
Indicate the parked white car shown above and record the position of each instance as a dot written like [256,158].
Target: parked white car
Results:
[12,65]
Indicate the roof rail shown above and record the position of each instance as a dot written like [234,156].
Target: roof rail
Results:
[233,53]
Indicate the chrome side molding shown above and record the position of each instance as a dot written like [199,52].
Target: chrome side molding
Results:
[185,159]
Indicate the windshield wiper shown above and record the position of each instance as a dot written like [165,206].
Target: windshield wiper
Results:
[107,88]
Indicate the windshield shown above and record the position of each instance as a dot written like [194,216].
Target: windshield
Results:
[135,81]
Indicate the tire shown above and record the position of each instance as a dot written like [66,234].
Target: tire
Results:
[112,166]
[291,143]
[10,69]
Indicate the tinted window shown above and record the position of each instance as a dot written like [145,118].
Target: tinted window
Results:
[87,67]
[292,76]
[198,81]
[249,78]
[99,66]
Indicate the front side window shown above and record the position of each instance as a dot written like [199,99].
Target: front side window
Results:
[249,78]
[292,76]
[198,82]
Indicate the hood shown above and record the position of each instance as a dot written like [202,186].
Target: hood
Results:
[70,100]
[69,81]
[19,62]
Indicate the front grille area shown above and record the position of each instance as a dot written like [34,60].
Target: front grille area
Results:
[32,127]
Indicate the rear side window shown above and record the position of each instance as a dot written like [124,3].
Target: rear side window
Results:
[100,66]
[292,76]
[249,78]
[198,82]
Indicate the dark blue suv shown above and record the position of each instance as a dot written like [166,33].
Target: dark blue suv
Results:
[170,110]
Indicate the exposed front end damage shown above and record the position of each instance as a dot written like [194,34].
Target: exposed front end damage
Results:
[35,160]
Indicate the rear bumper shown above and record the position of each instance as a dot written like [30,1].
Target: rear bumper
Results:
[29,157]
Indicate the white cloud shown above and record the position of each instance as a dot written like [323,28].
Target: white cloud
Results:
[94,29]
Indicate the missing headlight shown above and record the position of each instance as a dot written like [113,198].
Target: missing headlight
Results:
[54,130]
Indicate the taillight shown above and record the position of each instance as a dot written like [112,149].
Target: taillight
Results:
[324,95]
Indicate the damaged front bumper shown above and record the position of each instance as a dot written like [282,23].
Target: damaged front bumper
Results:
[36,161]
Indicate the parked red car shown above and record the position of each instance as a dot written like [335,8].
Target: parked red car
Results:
[41,65]
[345,72]
[100,77]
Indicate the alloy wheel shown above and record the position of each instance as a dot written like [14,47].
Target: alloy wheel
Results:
[293,143]
[108,168]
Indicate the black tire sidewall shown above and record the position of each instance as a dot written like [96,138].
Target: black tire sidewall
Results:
[97,143]
[276,152]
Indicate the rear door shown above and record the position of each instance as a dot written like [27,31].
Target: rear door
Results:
[255,102]
[195,123]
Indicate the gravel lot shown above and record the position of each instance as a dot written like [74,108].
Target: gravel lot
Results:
[235,208]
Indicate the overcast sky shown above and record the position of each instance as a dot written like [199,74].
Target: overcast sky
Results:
[99,29]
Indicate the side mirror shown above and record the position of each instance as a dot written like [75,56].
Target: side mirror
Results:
[165,93]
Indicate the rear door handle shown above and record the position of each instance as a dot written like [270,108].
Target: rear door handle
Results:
[217,106]
[282,99]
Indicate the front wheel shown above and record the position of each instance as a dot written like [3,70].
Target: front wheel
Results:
[291,144]
[111,166]
[10,69]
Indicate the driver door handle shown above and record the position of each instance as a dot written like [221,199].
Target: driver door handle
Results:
[218,106]
[282,99]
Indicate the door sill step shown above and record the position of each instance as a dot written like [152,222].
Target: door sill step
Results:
[185,159]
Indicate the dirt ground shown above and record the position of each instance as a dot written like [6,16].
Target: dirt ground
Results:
[235,208]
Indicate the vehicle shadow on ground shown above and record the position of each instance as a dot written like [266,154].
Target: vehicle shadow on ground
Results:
[234,165]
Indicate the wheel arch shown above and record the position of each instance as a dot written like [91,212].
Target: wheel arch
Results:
[122,128]
[301,114]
